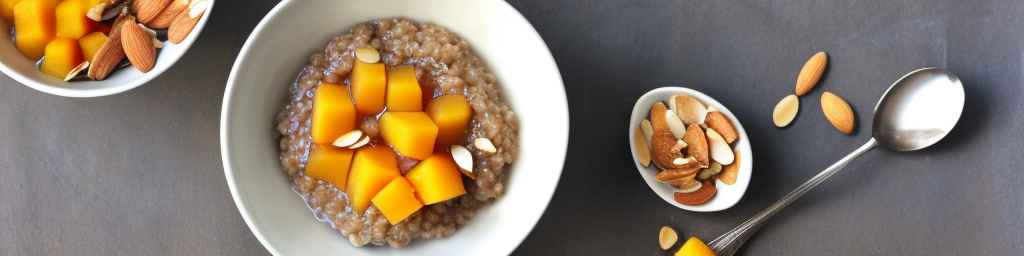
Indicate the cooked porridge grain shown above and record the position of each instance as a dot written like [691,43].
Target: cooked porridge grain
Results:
[445,64]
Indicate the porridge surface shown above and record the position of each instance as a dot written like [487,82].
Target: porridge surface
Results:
[445,64]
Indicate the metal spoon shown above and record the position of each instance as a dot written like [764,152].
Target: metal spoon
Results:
[915,112]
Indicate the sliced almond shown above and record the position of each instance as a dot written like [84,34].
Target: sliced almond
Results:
[721,124]
[731,172]
[679,161]
[464,159]
[689,109]
[701,196]
[362,142]
[648,130]
[838,112]
[367,54]
[697,144]
[720,150]
[485,145]
[146,10]
[667,237]
[643,151]
[674,124]
[183,25]
[811,73]
[164,19]
[785,111]
[109,55]
[138,46]
[679,146]
[76,70]
[690,187]
[348,139]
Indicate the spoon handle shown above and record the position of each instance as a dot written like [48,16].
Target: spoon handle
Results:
[727,244]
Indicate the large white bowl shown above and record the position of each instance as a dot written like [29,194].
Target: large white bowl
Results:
[281,45]
[728,195]
[24,70]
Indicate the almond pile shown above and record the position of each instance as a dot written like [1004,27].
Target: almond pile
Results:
[836,110]
[691,145]
[137,27]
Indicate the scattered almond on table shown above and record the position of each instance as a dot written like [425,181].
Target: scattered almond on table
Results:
[835,108]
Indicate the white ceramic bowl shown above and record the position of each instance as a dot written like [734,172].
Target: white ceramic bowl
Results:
[280,47]
[728,195]
[24,70]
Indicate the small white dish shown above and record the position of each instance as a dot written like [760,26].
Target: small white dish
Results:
[280,47]
[25,71]
[728,195]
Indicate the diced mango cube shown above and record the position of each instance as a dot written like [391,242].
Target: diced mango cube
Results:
[7,9]
[452,114]
[333,113]
[34,26]
[369,83]
[91,43]
[372,168]
[330,164]
[404,90]
[412,134]
[436,179]
[71,19]
[397,200]
[62,55]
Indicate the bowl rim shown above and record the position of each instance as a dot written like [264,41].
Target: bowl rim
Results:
[72,92]
[743,143]
[243,57]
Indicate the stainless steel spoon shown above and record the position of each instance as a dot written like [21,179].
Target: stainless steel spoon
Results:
[915,112]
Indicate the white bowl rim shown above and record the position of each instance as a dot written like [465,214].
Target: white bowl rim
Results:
[743,145]
[231,86]
[111,90]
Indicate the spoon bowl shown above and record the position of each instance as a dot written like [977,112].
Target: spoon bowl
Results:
[918,110]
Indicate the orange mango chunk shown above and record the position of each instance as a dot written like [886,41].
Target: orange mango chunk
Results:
[62,54]
[34,26]
[91,43]
[7,9]
[372,168]
[436,179]
[330,164]
[451,113]
[404,92]
[694,247]
[71,20]
[397,200]
[333,113]
[412,134]
[369,83]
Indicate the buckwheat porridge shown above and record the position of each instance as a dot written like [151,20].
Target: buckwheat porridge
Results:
[382,166]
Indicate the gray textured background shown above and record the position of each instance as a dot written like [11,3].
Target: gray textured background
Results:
[139,173]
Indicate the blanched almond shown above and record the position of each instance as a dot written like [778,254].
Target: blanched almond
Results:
[362,142]
[164,19]
[146,10]
[838,112]
[138,46]
[464,159]
[348,139]
[697,144]
[721,124]
[811,73]
[367,55]
[679,146]
[689,109]
[643,151]
[731,172]
[720,150]
[648,130]
[485,145]
[674,124]
[667,237]
[785,111]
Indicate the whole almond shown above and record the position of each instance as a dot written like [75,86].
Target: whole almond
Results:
[697,144]
[720,150]
[181,27]
[109,55]
[838,112]
[785,111]
[706,192]
[721,124]
[147,10]
[811,73]
[138,46]
[164,19]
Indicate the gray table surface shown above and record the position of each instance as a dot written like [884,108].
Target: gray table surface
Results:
[139,173]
